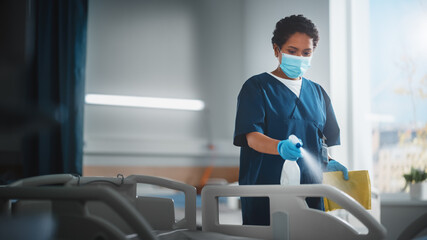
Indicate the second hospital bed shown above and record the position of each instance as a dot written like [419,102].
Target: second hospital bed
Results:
[290,216]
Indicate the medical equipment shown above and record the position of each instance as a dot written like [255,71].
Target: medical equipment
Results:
[290,170]
[290,216]
[155,210]
[294,66]
[73,221]
[415,228]
[289,149]
[151,207]
[289,212]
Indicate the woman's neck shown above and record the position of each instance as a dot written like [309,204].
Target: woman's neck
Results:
[279,73]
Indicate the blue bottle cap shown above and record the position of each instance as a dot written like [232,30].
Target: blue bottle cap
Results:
[298,145]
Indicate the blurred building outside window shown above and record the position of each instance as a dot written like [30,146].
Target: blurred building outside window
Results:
[398,90]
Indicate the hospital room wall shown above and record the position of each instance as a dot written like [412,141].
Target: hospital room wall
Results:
[180,49]
[350,82]
[161,49]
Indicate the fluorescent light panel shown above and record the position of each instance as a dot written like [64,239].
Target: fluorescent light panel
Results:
[145,102]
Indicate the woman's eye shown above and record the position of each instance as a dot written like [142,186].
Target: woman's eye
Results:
[291,51]
[307,54]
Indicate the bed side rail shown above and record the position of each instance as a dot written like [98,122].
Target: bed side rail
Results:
[288,207]
[125,185]
[189,220]
[103,194]
[43,180]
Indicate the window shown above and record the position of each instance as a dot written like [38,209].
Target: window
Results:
[398,89]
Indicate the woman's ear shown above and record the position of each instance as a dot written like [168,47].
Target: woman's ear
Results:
[276,50]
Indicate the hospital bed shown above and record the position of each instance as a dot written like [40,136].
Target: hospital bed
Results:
[290,216]
[71,218]
[152,208]
[157,212]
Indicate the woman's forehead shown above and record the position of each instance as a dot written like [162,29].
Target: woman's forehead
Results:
[299,40]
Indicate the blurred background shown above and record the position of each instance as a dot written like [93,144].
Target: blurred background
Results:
[371,59]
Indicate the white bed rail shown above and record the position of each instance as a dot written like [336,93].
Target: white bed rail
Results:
[62,196]
[189,220]
[51,179]
[127,186]
[290,216]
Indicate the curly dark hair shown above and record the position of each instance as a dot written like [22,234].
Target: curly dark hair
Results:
[292,24]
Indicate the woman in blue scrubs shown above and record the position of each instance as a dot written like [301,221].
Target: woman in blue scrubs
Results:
[272,106]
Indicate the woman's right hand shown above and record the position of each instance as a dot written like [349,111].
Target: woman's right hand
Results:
[288,150]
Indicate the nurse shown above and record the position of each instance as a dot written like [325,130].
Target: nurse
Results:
[272,106]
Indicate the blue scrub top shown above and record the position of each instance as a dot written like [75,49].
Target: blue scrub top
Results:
[267,106]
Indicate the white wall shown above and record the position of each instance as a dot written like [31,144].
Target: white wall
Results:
[142,48]
[139,48]
[340,75]
[360,86]
[350,81]
[196,49]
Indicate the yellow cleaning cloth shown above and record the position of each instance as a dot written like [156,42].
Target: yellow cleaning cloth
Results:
[358,186]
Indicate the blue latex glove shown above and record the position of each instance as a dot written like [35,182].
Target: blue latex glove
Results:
[288,150]
[336,166]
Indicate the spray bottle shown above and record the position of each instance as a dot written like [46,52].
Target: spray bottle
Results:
[290,171]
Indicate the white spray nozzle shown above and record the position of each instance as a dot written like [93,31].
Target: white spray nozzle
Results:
[295,140]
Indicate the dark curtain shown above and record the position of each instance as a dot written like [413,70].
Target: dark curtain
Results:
[57,86]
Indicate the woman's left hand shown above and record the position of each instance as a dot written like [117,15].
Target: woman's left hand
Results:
[336,166]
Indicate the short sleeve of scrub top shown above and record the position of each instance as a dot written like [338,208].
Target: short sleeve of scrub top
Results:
[331,129]
[250,113]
